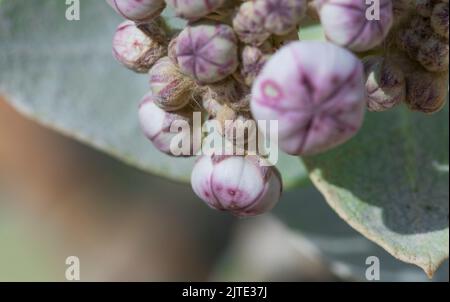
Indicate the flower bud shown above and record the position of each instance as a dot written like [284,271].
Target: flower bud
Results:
[194,9]
[439,19]
[138,10]
[253,60]
[408,42]
[138,48]
[207,52]
[237,184]
[346,23]
[249,25]
[426,91]
[281,16]
[319,101]
[433,54]
[422,44]
[171,88]
[385,83]
[156,124]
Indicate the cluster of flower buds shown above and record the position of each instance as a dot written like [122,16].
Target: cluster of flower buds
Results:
[209,67]
[236,61]
[425,43]
[422,39]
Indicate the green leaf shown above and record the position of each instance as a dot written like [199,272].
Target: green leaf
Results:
[62,74]
[391,183]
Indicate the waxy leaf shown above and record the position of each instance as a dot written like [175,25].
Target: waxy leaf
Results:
[391,183]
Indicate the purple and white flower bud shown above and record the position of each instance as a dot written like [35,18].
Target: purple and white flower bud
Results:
[249,24]
[138,10]
[439,19]
[207,52]
[253,60]
[156,125]
[171,88]
[237,184]
[194,9]
[347,23]
[319,102]
[281,16]
[139,47]
[385,83]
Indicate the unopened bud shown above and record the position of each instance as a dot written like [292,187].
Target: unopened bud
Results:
[139,47]
[346,23]
[410,39]
[194,9]
[207,52]
[156,124]
[426,91]
[138,10]
[316,92]
[433,54]
[249,24]
[236,184]
[439,19]
[385,83]
[281,16]
[171,88]
[253,60]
